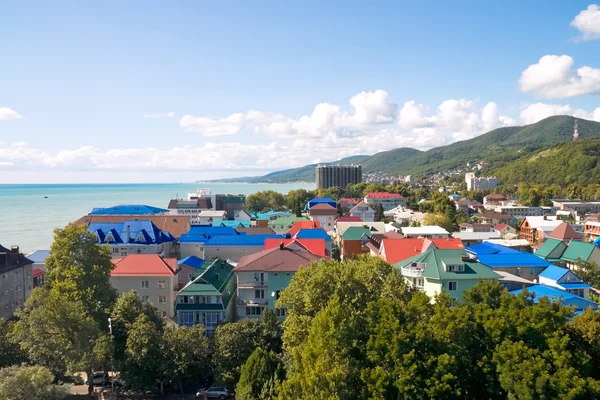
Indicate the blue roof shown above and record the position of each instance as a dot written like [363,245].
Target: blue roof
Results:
[191,261]
[39,256]
[129,209]
[555,294]
[517,259]
[200,234]
[576,285]
[231,224]
[319,200]
[239,240]
[313,233]
[553,272]
[141,232]
[490,248]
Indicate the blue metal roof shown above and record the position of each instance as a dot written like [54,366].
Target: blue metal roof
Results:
[191,261]
[577,285]
[200,234]
[556,294]
[239,240]
[230,224]
[490,248]
[140,232]
[129,209]
[38,256]
[553,272]
[518,259]
[319,200]
[312,233]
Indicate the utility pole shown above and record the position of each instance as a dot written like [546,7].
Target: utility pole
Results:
[112,363]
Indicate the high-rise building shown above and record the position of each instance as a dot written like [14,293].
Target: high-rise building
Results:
[482,183]
[338,175]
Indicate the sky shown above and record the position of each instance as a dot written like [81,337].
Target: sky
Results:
[155,91]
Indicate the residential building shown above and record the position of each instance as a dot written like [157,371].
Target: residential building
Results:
[190,208]
[234,247]
[16,280]
[515,244]
[494,199]
[374,227]
[208,299]
[581,207]
[39,259]
[506,231]
[363,211]
[283,224]
[524,265]
[316,233]
[520,212]
[592,227]
[471,238]
[320,200]
[314,246]
[536,229]
[337,175]
[303,225]
[231,223]
[263,275]
[577,252]
[387,200]
[565,232]
[206,217]
[451,271]
[556,294]
[188,267]
[348,202]
[468,227]
[325,214]
[354,242]
[39,277]
[404,216]
[347,218]
[494,218]
[397,249]
[480,183]
[429,232]
[154,279]
[192,243]
[130,209]
[176,225]
[565,279]
[552,250]
[230,203]
[409,179]
[464,206]
[488,247]
[132,237]
[243,215]
[255,231]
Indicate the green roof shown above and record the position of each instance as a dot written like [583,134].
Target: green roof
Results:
[356,233]
[286,221]
[552,248]
[435,269]
[576,250]
[213,281]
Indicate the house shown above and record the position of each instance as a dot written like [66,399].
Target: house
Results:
[325,214]
[283,224]
[494,199]
[348,218]
[190,208]
[464,206]
[451,271]
[515,244]
[209,299]
[398,250]
[592,227]
[524,265]
[320,200]
[468,227]
[374,227]
[313,246]
[565,279]
[556,294]
[176,225]
[234,247]
[206,217]
[552,250]
[255,231]
[233,224]
[565,233]
[505,230]
[374,244]
[187,267]
[354,241]
[582,207]
[425,232]
[316,233]
[132,237]
[387,200]
[192,243]
[154,278]
[519,211]
[263,275]
[130,209]
[348,202]
[489,248]
[39,259]
[39,277]
[493,218]
[404,216]
[363,211]
[16,280]
[303,225]
[444,243]
[242,215]
[580,252]
[471,238]
[536,229]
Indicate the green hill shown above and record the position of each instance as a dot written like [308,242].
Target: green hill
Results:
[387,160]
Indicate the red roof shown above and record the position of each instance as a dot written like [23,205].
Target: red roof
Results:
[302,225]
[314,246]
[397,250]
[383,195]
[37,272]
[494,196]
[348,200]
[499,227]
[323,209]
[276,260]
[493,215]
[144,265]
[348,218]
[448,243]
[564,231]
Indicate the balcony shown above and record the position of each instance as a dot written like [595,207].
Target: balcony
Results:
[412,271]
[251,284]
[253,302]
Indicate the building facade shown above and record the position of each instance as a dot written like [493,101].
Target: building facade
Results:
[16,280]
[325,214]
[363,211]
[387,200]
[480,183]
[337,175]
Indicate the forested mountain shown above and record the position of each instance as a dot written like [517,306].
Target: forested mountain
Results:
[497,147]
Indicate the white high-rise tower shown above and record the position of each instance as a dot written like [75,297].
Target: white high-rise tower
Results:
[575,132]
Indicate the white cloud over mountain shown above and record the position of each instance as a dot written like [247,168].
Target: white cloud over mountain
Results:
[7,113]
[536,112]
[588,22]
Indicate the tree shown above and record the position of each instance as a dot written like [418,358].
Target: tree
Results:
[259,374]
[10,353]
[187,352]
[30,382]
[79,270]
[441,220]
[270,331]
[233,344]
[126,310]
[378,212]
[56,333]
[589,272]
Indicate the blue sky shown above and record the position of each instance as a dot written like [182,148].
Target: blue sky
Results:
[153,91]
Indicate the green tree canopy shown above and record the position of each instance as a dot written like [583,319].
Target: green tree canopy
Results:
[30,382]
[260,374]
[233,344]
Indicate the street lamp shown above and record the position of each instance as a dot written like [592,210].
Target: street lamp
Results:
[112,364]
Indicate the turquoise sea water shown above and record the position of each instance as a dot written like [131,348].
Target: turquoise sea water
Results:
[27,219]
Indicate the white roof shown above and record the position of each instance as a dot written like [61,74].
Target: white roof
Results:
[476,235]
[424,230]
[342,226]
[509,243]
[211,213]
[508,277]
[544,223]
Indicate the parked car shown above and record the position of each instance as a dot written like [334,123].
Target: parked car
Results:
[213,393]
[99,378]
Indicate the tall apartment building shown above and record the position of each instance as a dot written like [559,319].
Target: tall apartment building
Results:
[482,183]
[16,280]
[338,175]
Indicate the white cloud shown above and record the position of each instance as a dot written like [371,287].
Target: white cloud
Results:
[7,113]
[538,111]
[588,22]
[552,77]
[165,115]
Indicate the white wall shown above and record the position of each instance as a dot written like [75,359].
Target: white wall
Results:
[127,283]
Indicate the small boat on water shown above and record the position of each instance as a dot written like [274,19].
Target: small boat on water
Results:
[45,197]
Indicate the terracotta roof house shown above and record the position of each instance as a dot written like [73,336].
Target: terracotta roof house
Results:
[363,211]
[302,225]
[397,250]
[448,243]
[565,233]
[348,218]
[323,213]
[262,276]
[348,202]
[153,278]
[387,200]
[316,246]
[536,229]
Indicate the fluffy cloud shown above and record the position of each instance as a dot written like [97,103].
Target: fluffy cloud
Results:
[552,77]
[588,22]
[165,115]
[7,113]
[538,111]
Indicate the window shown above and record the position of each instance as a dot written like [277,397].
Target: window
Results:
[254,311]
[139,251]
[190,276]
[280,312]
[186,318]
[259,294]
[277,293]
[115,250]
[162,284]
[123,254]
[180,276]
[518,271]
[259,277]
[162,299]
[452,285]
[145,285]
[211,318]
[145,299]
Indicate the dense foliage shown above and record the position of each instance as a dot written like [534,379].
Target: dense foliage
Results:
[30,382]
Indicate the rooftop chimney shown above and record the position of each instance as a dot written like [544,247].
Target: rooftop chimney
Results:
[14,249]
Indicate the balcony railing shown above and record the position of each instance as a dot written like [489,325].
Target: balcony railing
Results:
[242,284]
[253,302]
[412,271]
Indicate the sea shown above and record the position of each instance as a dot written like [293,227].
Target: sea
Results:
[30,213]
